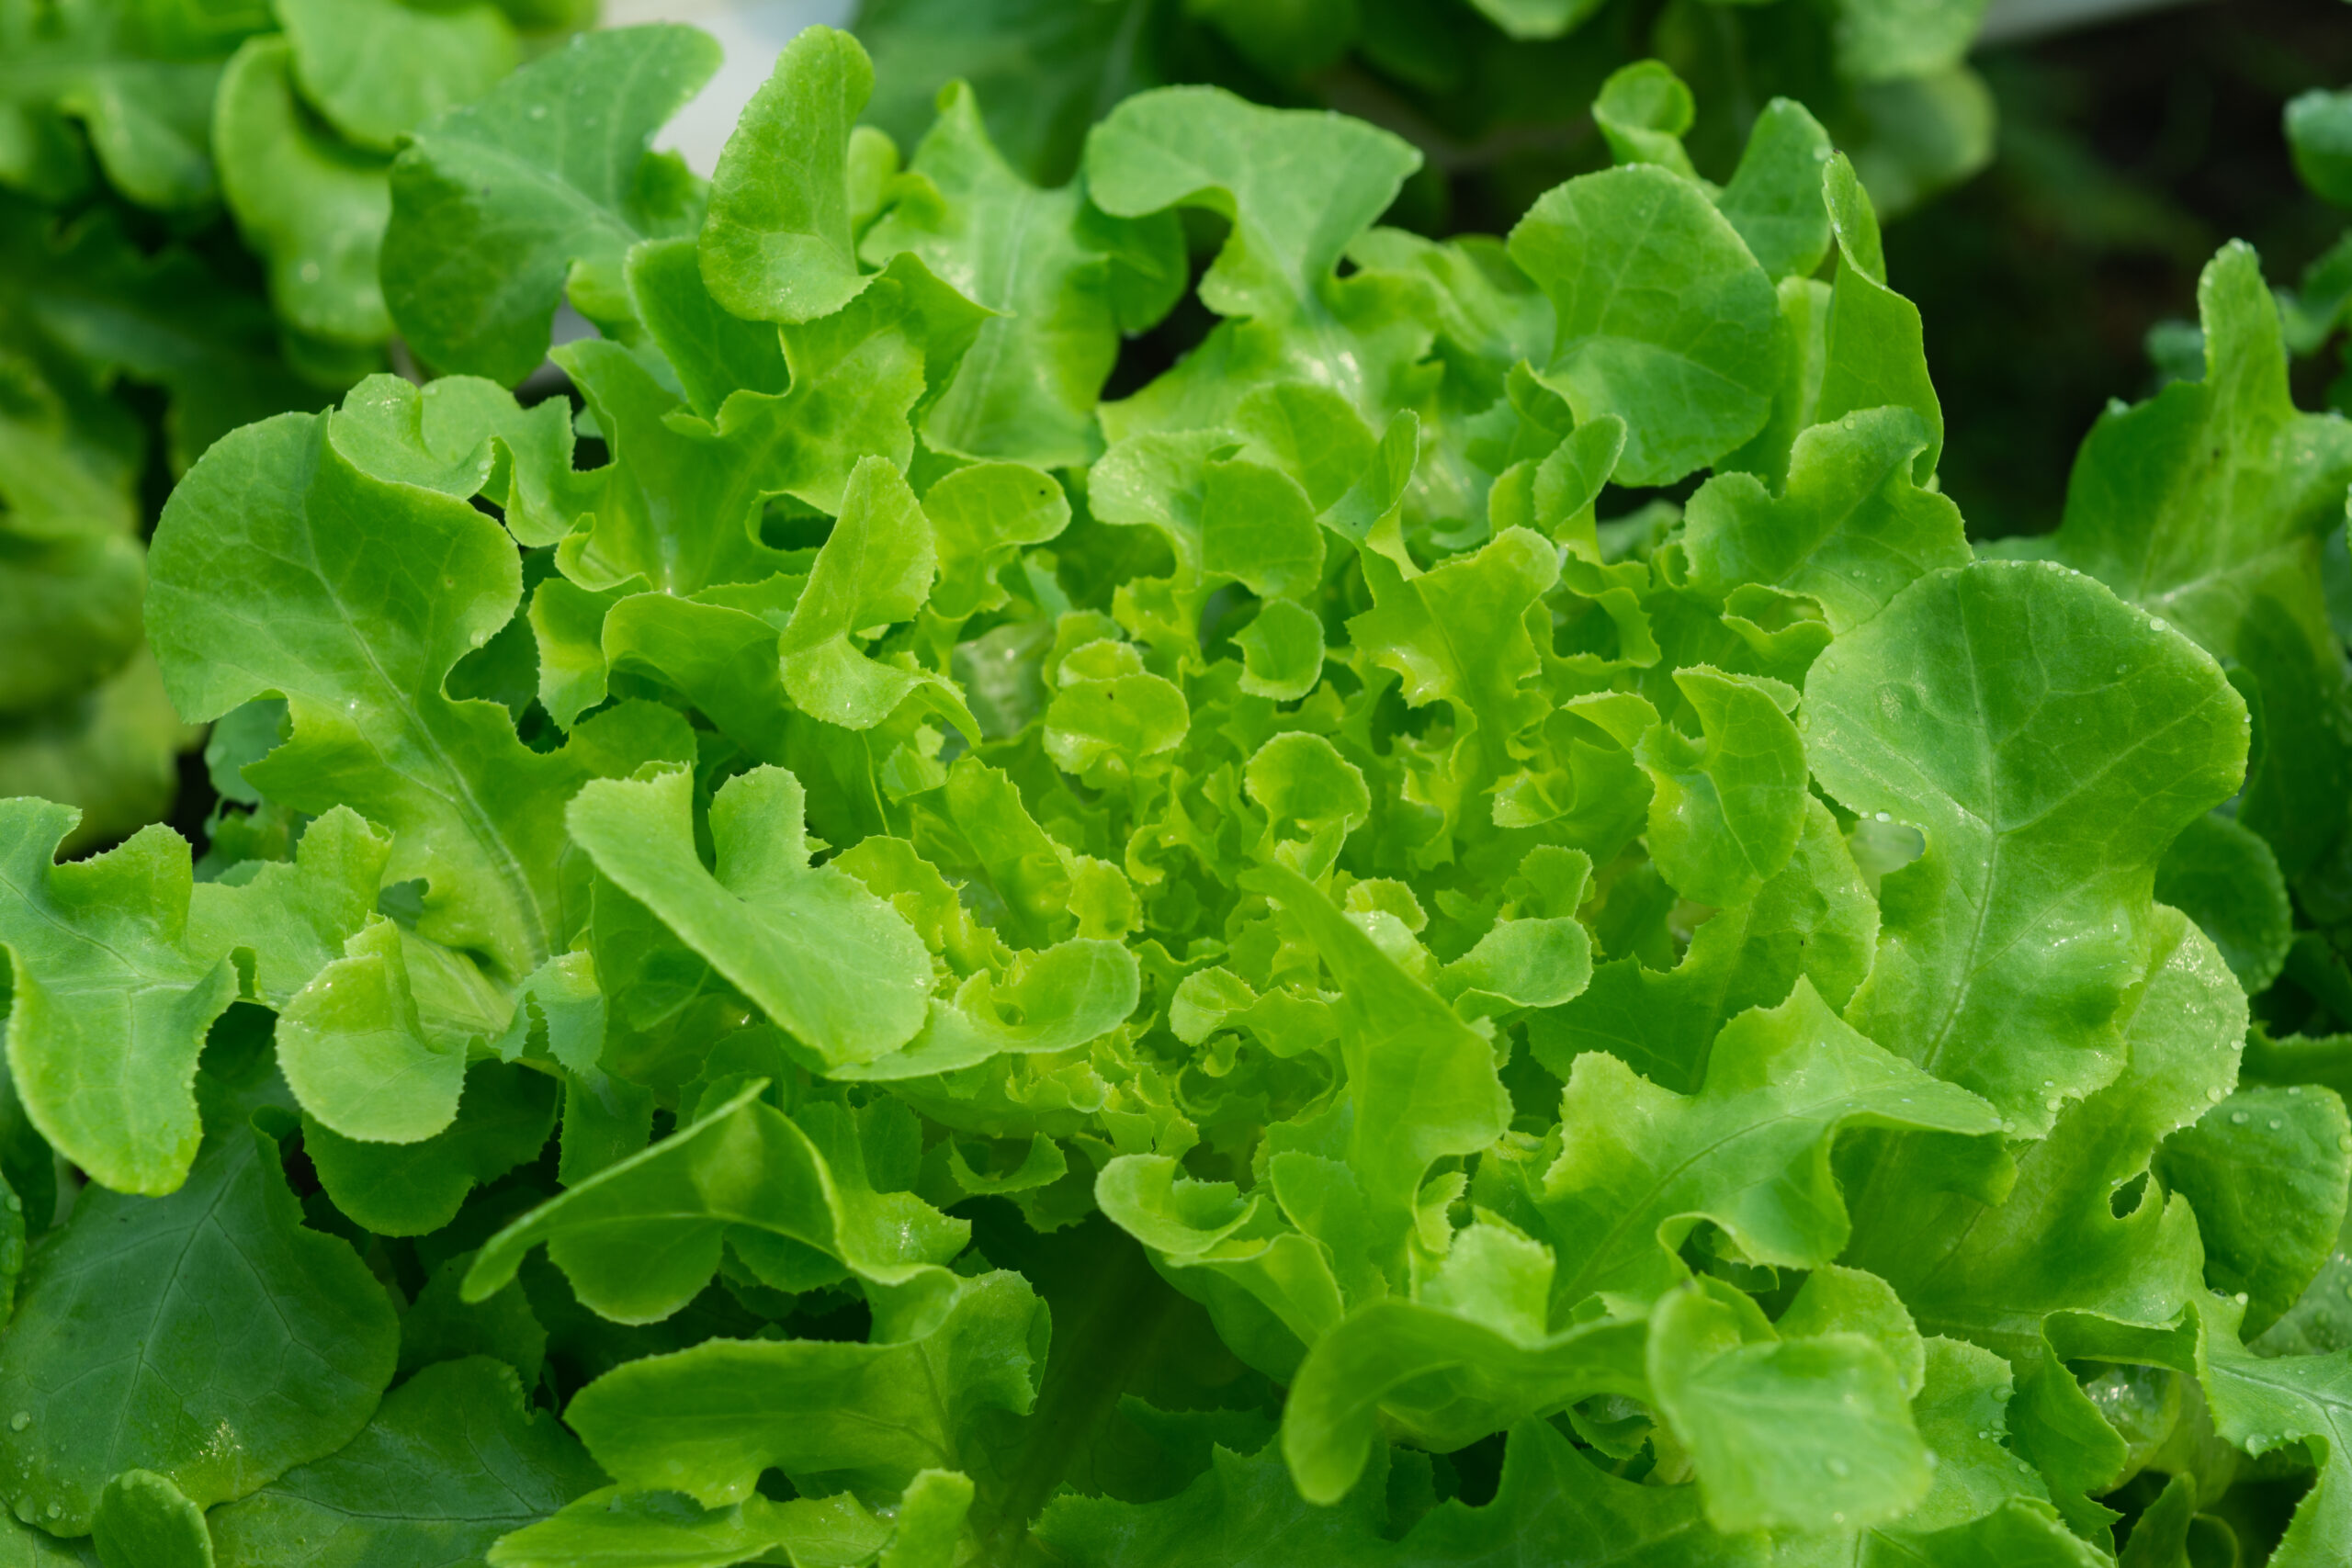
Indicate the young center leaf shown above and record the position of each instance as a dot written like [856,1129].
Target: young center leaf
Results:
[829,962]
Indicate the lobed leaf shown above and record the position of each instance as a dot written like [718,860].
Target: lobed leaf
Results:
[2050,743]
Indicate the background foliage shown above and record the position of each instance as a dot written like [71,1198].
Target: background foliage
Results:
[191,198]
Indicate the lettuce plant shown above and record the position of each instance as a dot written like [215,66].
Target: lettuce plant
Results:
[855,953]
[143,140]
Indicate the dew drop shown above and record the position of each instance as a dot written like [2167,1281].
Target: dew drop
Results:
[2295,1092]
[1983,1437]
[2155,623]
[1884,817]
[2275,1123]
[2239,1298]
[54,1509]
[1837,1466]
[2214,1095]
[2054,1102]
[20,1420]
[2239,1117]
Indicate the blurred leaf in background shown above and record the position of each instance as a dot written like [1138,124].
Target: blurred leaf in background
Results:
[191,202]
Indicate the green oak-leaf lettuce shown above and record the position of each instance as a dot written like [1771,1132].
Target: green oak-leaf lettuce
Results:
[1436,916]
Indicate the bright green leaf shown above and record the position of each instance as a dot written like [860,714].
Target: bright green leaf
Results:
[499,206]
[822,956]
[2049,742]
[1685,359]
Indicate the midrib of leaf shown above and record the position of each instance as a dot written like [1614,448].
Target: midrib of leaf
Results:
[1973,960]
[1088,1368]
[621,151]
[1001,278]
[1834,529]
[40,909]
[2279,558]
[1979,960]
[1732,827]
[1680,355]
[1613,286]
[591,210]
[1605,1251]
[1868,1191]
[469,807]
[164,1297]
[2225,433]
[786,153]
[2245,1371]
[936,1442]
[1988,783]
